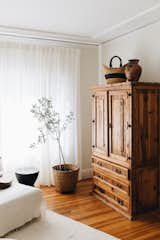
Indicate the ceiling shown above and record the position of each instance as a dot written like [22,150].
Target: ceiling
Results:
[87,20]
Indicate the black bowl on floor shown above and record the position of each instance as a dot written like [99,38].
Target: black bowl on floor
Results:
[27,176]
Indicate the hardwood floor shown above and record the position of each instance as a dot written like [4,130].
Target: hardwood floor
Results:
[84,207]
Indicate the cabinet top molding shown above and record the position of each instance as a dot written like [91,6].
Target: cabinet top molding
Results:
[126,85]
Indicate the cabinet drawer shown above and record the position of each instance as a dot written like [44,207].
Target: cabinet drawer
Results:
[110,168]
[114,200]
[110,188]
[117,186]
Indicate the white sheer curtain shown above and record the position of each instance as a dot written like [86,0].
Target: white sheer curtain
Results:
[27,72]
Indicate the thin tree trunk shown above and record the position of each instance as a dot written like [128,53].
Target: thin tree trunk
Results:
[61,152]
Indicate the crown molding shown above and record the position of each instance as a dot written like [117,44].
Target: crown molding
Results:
[141,20]
[49,36]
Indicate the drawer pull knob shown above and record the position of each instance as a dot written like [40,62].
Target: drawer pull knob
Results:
[118,171]
[120,202]
[99,163]
[119,185]
[101,190]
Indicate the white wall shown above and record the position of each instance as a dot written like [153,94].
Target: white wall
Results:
[143,44]
[88,77]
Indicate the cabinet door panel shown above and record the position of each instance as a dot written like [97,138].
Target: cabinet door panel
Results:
[146,132]
[99,123]
[146,189]
[120,126]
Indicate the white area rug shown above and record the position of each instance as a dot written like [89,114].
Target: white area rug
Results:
[53,226]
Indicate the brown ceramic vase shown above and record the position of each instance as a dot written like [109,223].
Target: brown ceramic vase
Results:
[133,70]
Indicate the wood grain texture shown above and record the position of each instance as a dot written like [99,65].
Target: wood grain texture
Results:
[84,207]
[119,113]
[99,130]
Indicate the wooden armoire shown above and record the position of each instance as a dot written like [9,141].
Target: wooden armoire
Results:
[126,146]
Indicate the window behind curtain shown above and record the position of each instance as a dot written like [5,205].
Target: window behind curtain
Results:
[28,72]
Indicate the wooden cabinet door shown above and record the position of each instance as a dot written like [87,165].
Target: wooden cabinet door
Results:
[120,127]
[99,128]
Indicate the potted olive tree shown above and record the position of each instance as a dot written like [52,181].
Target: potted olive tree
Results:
[51,125]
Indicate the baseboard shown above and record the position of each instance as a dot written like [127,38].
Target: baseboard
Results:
[86,173]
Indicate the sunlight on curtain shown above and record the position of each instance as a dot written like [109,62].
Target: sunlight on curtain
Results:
[28,72]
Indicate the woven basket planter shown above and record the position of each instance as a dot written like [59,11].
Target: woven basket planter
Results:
[65,180]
